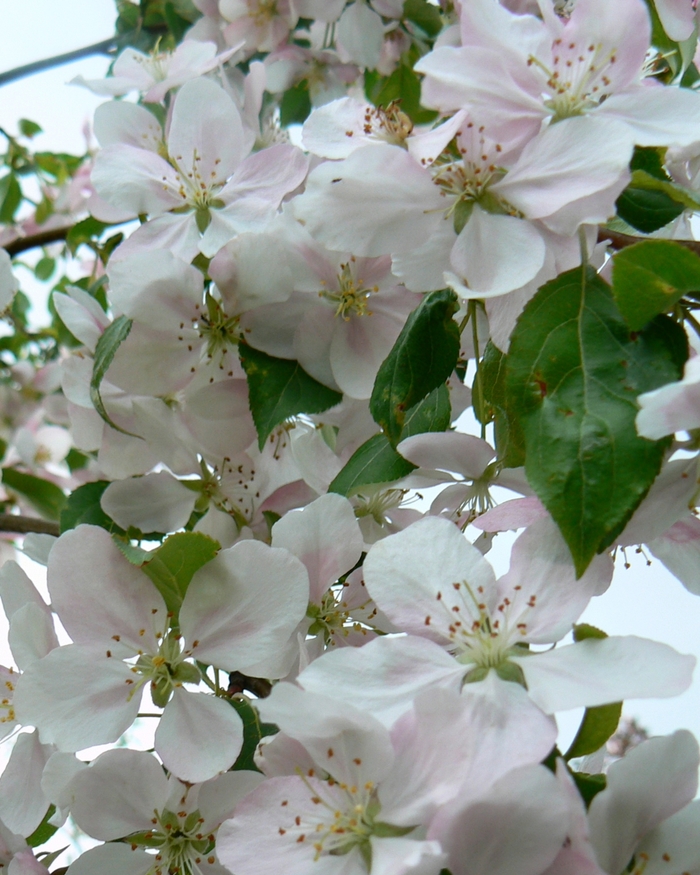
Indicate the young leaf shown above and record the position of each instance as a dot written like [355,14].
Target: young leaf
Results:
[649,202]
[295,106]
[425,15]
[376,461]
[172,566]
[112,338]
[649,277]
[10,198]
[573,375]
[423,357]
[46,498]
[253,731]
[597,726]
[44,831]
[280,388]
[83,507]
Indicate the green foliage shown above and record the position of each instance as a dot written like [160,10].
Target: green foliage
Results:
[510,441]
[597,726]
[83,508]
[401,87]
[423,357]
[108,344]
[425,15]
[46,498]
[172,566]
[10,198]
[253,731]
[295,105]
[573,375]
[44,831]
[588,785]
[433,413]
[29,128]
[44,268]
[87,231]
[650,277]
[649,202]
[279,389]
[376,461]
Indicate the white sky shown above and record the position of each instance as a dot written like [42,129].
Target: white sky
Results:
[642,601]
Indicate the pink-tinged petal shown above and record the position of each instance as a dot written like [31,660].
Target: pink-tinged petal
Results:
[83,316]
[326,537]
[252,271]
[347,743]
[679,550]
[198,736]
[9,284]
[422,269]
[136,180]
[207,137]
[312,344]
[475,730]
[497,834]
[154,503]
[118,794]
[360,34]
[336,129]
[677,18]
[674,407]
[76,697]
[677,838]
[597,672]
[112,859]
[564,163]
[426,145]
[17,590]
[412,575]
[22,801]
[511,515]
[176,232]
[99,594]
[244,606]
[448,451]
[541,590]
[32,635]
[407,856]
[262,837]
[320,10]
[656,116]
[279,755]
[25,863]
[384,676]
[495,255]
[651,783]
[377,201]
[218,798]
[121,123]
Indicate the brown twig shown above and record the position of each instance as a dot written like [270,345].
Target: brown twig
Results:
[620,241]
[23,525]
[104,47]
[23,244]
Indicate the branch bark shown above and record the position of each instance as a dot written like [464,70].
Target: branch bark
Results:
[104,47]
[23,244]
[23,525]
[620,241]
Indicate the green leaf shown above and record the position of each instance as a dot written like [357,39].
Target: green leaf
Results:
[402,87]
[490,379]
[10,198]
[44,831]
[253,731]
[83,508]
[44,268]
[295,106]
[649,202]
[574,372]
[649,277]
[376,461]
[433,413]
[176,24]
[29,128]
[172,566]
[582,631]
[87,231]
[588,785]
[112,338]
[46,498]
[597,726]
[425,15]
[423,357]
[280,388]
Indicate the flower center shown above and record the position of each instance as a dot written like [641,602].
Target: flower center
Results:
[351,297]
[263,11]
[181,845]
[7,711]
[389,124]
[165,670]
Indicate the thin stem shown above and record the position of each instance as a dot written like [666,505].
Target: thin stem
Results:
[477,381]
[104,47]
[620,241]
[23,244]
[463,324]
[23,525]
[693,321]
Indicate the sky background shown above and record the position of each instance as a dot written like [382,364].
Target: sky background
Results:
[644,601]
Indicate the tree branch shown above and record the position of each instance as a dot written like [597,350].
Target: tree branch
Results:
[620,241]
[23,525]
[105,47]
[22,244]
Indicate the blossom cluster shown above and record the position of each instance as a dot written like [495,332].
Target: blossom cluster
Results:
[365,252]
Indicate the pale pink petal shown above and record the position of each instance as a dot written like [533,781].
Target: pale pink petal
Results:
[136,180]
[154,503]
[112,859]
[448,451]
[22,801]
[679,550]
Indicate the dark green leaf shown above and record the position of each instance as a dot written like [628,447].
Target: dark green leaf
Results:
[402,87]
[423,357]
[112,338]
[490,380]
[597,726]
[10,198]
[44,831]
[588,785]
[651,201]
[29,128]
[83,508]
[280,388]
[176,24]
[44,268]
[253,731]
[425,15]
[433,413]
[574,372]
[46,498]
[376,461]
[649,277]
[172,566]
[295,105]
[87,231]
[650,159]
